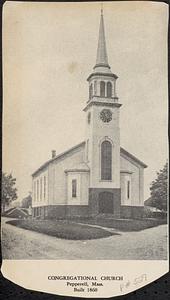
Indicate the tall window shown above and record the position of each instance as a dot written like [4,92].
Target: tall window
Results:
[37,190]
[41,189]
[102,88]
[128,189]
[95,87]
[89,117]
[74,188]
[87,150]
[34,190]
[44,187]
[109,89]
[106,161]
[90,91]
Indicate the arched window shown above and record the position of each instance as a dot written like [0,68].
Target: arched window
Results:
[106,161]
[95,87]
[102,88]
[90,91]
[109,89]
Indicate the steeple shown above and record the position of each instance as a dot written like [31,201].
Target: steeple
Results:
[102,65]
[102,82]
[102,58]
[102,128]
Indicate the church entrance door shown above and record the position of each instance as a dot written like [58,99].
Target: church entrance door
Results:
[106,203]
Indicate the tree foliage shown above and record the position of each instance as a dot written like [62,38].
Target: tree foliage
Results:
[159,189]
[9,191]
[26,202]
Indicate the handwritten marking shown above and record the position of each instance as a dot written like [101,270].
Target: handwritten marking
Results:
[137,281]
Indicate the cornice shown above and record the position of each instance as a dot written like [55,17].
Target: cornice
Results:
[76,170]
[102,65]
[102,74]
[98,103]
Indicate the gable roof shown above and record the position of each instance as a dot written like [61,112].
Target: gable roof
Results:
[16,210]
[126,153]
[61,155]
[81,145]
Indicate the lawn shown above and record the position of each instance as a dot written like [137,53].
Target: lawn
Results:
[63,229]
[124,224]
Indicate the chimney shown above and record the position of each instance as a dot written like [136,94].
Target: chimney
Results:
[53,153]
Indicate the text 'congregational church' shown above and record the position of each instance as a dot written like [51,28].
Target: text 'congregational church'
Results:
[96,176]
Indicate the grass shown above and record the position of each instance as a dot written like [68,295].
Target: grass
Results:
[124,224]
[62,229]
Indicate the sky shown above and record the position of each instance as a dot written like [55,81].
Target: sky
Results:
[49,50]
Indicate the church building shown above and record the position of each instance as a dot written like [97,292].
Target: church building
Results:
[96,176]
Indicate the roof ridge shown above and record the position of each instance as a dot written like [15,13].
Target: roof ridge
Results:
[133,157]
[81,144]
[58,156]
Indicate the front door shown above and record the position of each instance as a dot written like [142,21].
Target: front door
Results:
[106,203]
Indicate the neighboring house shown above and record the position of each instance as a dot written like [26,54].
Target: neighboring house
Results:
[97,175]
[16,212]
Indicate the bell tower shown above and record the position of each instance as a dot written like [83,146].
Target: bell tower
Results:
[102,153]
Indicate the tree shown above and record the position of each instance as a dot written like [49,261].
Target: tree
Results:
[159,189]
[9,191]
[27,201]
[16,203]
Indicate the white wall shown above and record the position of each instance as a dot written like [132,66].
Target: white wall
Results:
[73,200]
[85,178]
[137,182]
[96,132]
[82,188]
[56,181]
[40,192]
[125,177]
[58,177]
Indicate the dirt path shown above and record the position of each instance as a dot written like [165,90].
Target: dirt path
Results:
[18,243]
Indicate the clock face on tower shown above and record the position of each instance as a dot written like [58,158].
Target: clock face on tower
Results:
[106,115]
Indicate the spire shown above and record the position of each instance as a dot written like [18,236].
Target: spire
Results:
[102,59]
[102,66]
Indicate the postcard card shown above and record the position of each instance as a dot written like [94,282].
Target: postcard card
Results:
[84,183]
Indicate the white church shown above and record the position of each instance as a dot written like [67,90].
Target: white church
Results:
[96,176]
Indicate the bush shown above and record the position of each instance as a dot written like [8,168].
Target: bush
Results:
[147,213]
[154,214]
[160,214]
